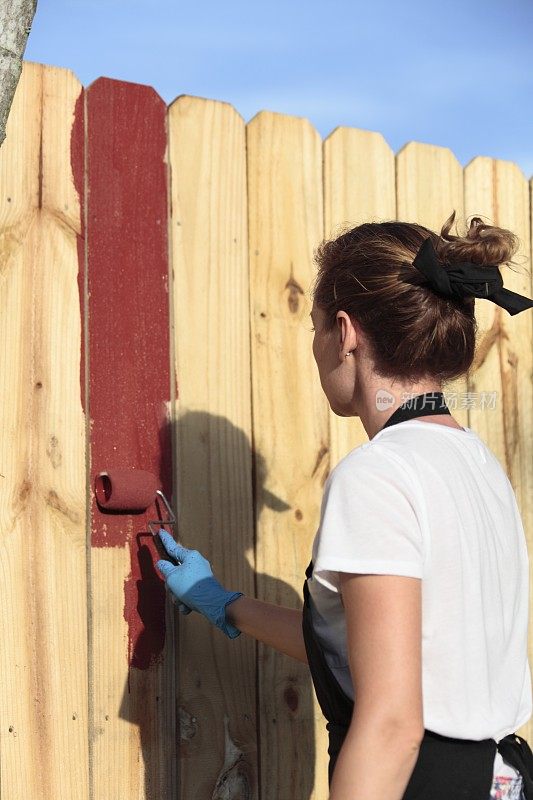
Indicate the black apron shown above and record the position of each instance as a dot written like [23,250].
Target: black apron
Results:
[446,767]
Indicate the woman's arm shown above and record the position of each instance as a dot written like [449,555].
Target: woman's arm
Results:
[384,632]
[276,626]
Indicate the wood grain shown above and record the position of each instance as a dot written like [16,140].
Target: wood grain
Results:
[291,438]
[43,625]
[213,457]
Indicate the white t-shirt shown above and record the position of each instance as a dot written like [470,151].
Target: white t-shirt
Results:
[424,500]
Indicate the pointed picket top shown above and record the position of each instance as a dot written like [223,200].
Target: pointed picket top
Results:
[348,130]
[289,149]
[195,123]
[429,184]
[359,178]
[66,72]
[266,120]
[501,163]
[113,85]
[413,144]
[186,101]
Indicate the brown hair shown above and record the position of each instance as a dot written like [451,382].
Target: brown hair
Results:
[413,332]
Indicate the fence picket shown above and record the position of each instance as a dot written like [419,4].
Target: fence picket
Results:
[43,594]
[290,421]
[212,424]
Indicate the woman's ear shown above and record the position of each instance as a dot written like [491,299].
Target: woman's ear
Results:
[347,333]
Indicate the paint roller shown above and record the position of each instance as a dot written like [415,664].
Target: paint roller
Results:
[127,491]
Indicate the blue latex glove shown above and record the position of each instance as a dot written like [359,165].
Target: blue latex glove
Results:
[194,586]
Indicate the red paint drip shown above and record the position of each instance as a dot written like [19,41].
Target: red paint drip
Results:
[144,607]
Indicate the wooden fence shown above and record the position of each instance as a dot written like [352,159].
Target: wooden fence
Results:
[154,291]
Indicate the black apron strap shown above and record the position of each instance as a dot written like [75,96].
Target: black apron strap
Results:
[423,405]
[335,705]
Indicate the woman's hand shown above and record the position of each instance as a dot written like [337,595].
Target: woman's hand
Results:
[194,586]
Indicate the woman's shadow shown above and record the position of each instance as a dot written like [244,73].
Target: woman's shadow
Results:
[231,715]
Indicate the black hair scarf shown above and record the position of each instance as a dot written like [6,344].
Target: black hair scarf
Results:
[467,279]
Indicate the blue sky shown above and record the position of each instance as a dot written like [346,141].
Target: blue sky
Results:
[456,74]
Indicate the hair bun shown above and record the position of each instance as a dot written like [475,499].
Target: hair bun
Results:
[482,244]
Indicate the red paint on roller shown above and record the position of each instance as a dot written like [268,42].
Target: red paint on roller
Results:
[126,490]
[128,310]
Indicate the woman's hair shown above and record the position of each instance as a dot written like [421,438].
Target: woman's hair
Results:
[412,332]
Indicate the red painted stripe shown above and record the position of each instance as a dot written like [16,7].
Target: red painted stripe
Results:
[129,354]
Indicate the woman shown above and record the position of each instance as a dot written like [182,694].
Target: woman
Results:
[416,596]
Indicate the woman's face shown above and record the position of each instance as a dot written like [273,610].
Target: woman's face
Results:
[336,370]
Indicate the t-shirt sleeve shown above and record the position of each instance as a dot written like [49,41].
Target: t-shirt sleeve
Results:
[368,521]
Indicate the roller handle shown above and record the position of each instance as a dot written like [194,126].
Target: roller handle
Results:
[132,490]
